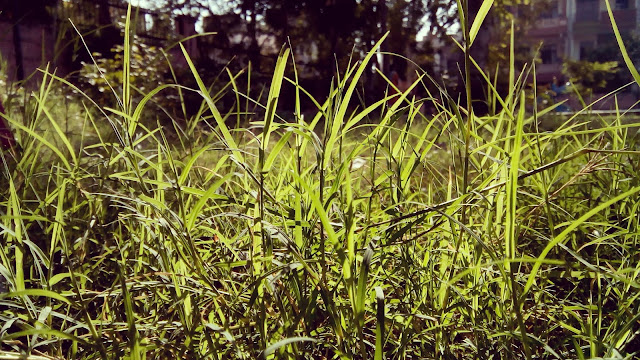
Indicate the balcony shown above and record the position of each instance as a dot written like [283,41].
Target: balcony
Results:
[548,27]
[551,22]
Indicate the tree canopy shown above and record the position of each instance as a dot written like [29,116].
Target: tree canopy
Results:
[334,26]
[27,11]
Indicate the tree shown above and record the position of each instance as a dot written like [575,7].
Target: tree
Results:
[251,10]
[492,44]
[324,33]
[491,47]
[33,11]
[590,76]
[99,30]
[337,26]
[609,52]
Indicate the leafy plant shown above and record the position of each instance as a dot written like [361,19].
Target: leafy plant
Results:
[590,76]
[149,68]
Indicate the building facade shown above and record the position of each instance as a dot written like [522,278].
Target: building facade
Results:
[571,28]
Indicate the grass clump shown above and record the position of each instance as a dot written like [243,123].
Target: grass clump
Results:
[444,236]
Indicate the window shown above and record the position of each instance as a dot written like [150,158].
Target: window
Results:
[587,10]
[622,4]
[549,54]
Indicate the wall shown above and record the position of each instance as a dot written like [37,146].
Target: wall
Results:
[37,42]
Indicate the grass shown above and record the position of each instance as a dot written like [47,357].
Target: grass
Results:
[321,237]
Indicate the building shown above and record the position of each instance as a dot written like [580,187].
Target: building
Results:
[571,28]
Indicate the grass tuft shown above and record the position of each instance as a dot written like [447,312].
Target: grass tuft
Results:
[321,234]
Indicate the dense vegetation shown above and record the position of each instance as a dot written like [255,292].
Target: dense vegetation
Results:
[358,232]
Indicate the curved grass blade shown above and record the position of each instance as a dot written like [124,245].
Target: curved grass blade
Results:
[623,48]
[564,234]
[380,324]
[272,348]
[477,22]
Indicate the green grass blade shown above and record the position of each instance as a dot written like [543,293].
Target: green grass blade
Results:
[222,127]
[380,318]
[197,208]
[275,152]
[623,48]
[43,141]
[477,22]
[339,117]
[284,342]
[126,64]
[274,95]
[363,277]
[512,188]
[566,232]
[36,292]
[186,169]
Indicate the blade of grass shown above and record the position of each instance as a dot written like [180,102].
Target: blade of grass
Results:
[222,127]
[479,19]
[566,232]
[623,48]
[380,318]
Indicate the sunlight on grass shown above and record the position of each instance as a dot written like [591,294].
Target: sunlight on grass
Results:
[360,232]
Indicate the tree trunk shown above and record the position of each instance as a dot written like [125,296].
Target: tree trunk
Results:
[104,16]
[17,44]
[17,49]
[254,49]
[384,15]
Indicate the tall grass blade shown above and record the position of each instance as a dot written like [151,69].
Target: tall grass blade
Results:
[623,49]
[566,232]
[222,127]
[284,342]
[380,319]
[274,95]
[479,19]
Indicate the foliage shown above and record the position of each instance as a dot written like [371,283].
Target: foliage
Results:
[333,28]
[608,52]
[149,68]
[27,11]
[588,76]
[522,14]
[88,24]
[492,50]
